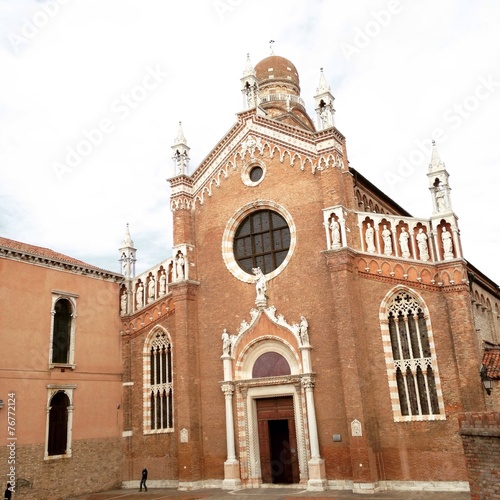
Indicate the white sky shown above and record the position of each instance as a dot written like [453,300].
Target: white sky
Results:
[399,70]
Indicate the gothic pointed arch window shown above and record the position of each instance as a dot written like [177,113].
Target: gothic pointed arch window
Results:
[158,387]
[411,359]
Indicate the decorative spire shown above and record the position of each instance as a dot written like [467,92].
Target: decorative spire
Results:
[438,183]
[127,241]
[127,255]
[325,112]
[249,69]
[323,85]
[249,86]
[181,153]
[436,162]
[271,46]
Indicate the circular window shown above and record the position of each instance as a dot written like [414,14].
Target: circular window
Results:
[252,174]
[256,174]
[262,240]
[261,234]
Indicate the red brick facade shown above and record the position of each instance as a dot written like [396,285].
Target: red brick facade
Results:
[350,428]
[481,439]
[367,349]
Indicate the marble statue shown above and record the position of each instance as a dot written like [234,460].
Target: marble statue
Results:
[386,237]
[260,283]
[446,238]
[335,228]
[403,243]
[422,245]
[440,200]
[139,295]
[163,283]
[303,330]
[179,266]
[369,238]
[151,290]
[226,343]
[123,302]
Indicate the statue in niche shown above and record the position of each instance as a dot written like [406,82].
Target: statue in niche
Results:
[226,343]
[139,295]
[441,200]
[125,265]
[303,331]
[335,229]
[403,243]
[180,265]
[151,289]
[181,160]
[123,302]
[446,238]
[260,283]
[386,236]
[370,238]
[163,283]
[422,245]
[324,116]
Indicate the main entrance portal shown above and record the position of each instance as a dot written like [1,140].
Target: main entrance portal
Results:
[277,440]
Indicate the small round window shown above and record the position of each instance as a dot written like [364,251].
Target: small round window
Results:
[256,174]
[252,174]
[261,240]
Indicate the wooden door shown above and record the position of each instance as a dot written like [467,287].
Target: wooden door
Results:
[277,440]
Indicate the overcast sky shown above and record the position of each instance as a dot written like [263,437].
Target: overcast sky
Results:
[91,93]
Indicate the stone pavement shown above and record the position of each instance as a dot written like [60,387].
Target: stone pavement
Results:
[270,494]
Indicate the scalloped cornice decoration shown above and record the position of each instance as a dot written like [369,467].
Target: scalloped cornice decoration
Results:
[252,141]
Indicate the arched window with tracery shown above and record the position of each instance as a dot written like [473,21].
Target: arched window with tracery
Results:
[412,368]
[158,390]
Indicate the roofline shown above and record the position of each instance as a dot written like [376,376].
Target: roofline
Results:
[477,276]
[363,180]
[59,264]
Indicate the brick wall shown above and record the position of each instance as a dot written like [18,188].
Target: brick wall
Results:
[481,440]
[94,466]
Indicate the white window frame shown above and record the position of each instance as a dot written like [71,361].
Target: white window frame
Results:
[146,397]
[71,298]
[53,389]
[391,364]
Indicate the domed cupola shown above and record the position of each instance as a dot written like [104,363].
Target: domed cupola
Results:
[279,92]
[275,72]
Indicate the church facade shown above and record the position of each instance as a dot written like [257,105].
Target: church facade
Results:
[306,329]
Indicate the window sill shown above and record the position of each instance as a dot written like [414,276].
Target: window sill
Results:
[58,457]
[62,366]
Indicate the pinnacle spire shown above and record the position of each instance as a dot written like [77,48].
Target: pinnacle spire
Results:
[436,162]
[127,255]
[181,152]
[180,139]
[323,85]
[127,241]
[325,112]
[249,69]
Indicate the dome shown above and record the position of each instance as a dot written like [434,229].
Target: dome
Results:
[276,68]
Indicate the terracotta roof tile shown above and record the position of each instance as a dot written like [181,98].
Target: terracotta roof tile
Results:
[43,252]
[491,359]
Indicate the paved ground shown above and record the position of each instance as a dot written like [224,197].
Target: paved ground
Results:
[269,494]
